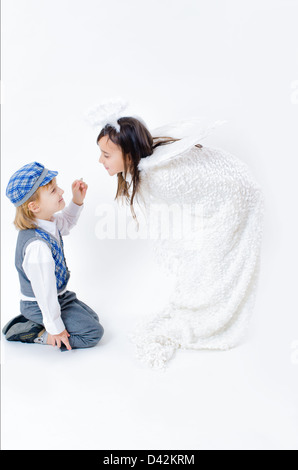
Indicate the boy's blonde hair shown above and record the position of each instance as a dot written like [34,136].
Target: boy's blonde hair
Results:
[25,218]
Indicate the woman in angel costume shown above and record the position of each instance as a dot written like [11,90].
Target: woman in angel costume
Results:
[216,267]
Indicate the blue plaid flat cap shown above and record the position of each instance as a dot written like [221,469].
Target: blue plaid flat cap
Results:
[26,181]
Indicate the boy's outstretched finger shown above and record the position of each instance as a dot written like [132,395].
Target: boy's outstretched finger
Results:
[66,342]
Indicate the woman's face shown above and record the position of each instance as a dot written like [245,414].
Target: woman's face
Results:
[111,156]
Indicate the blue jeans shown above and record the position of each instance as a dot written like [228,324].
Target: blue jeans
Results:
[80,321]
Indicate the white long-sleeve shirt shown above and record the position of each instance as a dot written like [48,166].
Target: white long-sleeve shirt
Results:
[39,267]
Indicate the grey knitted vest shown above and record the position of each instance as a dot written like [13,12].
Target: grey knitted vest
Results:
[56,246]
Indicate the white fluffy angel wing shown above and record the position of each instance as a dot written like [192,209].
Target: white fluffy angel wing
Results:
[190,131]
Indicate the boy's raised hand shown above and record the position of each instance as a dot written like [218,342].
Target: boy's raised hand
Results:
[79,188]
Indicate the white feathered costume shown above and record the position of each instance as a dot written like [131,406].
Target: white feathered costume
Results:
[216,267]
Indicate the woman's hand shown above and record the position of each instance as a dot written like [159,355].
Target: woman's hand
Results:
[58,339]
[79,189]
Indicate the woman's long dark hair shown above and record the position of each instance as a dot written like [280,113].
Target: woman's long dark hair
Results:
[136,142]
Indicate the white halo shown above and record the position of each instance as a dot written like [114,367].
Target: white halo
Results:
[108,112]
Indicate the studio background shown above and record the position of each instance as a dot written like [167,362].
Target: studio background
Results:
[223,59]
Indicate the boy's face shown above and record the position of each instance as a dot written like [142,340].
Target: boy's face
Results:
[50,201]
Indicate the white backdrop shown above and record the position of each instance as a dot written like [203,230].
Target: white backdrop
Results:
[224,59]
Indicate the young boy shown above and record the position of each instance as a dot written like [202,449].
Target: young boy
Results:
[50,313]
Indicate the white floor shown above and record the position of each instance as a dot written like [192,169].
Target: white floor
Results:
[103,398]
